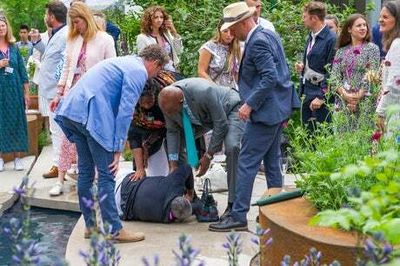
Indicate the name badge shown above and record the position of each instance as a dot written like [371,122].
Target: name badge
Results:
[9,70]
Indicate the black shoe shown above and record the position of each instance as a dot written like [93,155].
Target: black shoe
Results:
[228,224]
[227,213]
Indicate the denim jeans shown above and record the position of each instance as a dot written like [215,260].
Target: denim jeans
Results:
[259,141]
[93,156]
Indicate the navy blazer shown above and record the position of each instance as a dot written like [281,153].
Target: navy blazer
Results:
[320,59]
[264,79]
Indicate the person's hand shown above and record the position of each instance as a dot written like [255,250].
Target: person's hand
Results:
[54,103]
[352,107]
[316,104]
[244,112]
[204,164]
[4,63]
[380,123]
[114,166]
[298,66]
[139,174]
[170,26]
[35,35]
[27,99]
[173,165]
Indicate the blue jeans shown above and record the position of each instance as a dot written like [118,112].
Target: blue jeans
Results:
[259,141]
[92,155]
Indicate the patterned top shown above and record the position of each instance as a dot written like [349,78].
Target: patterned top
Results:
[351,63]
[218,68]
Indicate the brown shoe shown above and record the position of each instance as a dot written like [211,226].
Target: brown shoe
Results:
[124,236]
[88,232]
[53,172]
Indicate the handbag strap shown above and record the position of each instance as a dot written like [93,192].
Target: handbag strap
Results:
[207,186]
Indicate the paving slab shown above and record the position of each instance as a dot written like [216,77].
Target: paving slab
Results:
[67,201]
[161,239]
[11,179]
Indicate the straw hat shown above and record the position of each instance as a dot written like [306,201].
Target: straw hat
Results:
[236,12]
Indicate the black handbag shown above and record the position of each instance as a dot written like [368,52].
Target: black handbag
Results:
[206,209]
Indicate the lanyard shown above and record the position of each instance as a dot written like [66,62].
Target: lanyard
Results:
[5,54]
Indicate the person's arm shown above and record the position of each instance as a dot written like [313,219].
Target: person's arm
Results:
[266,68]
[142,41]
[204,63]
[173,142]
[24,78]
[109,47]
[331,51]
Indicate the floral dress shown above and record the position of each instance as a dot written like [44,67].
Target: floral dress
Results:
[218,68]
[68,153]
[350,65]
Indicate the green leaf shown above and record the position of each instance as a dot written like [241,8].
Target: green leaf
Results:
[391,229]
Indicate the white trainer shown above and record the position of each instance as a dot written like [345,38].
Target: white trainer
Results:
[18,166]
[1,165]
[57,189]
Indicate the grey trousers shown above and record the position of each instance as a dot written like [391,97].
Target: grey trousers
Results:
[232,148]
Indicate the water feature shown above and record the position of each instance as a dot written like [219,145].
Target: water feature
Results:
[51,227]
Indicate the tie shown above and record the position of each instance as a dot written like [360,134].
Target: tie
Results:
[191,151]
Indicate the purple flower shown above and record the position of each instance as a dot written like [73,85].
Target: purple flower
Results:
[357,51]
[19,191]
[88,203]
[255,241]
[268,241]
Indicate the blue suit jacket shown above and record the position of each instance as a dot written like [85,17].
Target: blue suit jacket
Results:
[264,79]
[320,56]
[104,99]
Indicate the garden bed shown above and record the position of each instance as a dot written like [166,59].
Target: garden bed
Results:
[292,235]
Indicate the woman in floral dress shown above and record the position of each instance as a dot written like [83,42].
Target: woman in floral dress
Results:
[87,45]
[356,55]
[219,59]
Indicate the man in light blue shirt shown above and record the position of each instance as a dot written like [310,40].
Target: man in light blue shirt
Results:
[95,116]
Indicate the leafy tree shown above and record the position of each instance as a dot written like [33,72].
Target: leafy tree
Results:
[29,12]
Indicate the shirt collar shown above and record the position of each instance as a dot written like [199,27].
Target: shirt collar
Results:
[251,33]
[314,35]
[54,31]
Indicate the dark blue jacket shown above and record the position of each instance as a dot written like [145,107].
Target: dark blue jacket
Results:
[377,39]
[264,79]
[320,59]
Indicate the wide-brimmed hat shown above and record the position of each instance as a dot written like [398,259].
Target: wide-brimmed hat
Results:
[236,12]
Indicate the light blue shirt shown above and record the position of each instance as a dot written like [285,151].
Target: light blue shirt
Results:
[104,100]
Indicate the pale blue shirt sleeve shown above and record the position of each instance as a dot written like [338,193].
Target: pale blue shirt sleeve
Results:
[132,87]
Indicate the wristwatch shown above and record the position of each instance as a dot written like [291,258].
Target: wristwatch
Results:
[208,156]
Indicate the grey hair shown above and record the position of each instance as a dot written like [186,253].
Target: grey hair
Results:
[181,208]
[154,52]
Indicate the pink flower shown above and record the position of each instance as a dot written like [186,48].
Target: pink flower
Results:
[357,51]
[376,136]
[397,82]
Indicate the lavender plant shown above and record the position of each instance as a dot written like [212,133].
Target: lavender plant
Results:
[234,248]
[313,258]
[25,250]
[377,251]
[187,254]
[102,251]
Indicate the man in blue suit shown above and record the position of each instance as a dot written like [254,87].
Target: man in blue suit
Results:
[268,98]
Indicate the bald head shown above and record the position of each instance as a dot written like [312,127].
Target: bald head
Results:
[170,100]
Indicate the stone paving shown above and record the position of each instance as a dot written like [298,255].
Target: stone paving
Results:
[161,239]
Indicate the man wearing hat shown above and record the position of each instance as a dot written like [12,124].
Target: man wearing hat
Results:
[268,98]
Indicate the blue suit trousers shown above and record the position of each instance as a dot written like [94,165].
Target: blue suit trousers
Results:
[259,141]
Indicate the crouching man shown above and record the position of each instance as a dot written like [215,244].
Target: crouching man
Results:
[162,199]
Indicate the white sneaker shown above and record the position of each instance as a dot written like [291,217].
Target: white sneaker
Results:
[1,165]
[57,189]
[18,166]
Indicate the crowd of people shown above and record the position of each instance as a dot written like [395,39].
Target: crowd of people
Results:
[241,99]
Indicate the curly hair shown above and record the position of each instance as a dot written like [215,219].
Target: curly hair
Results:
[146,21]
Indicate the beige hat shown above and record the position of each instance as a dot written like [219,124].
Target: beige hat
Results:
[236,12]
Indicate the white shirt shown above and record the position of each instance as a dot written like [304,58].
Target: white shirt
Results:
[265,23]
